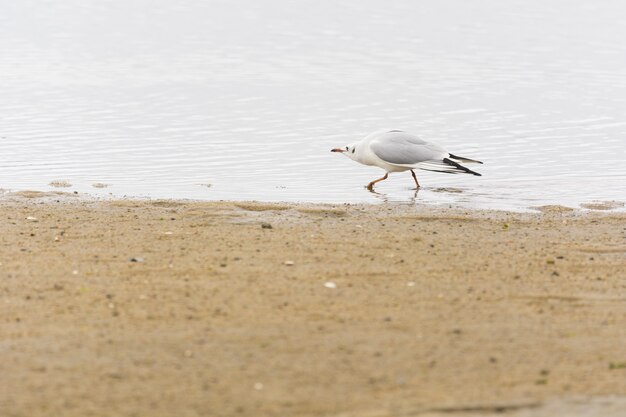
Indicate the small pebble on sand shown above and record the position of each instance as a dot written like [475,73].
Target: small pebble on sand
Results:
[330,285]
[289,263]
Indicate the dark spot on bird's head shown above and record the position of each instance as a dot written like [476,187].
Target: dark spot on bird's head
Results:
[353,149]
[346,148]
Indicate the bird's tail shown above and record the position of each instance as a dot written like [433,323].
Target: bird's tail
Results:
[460,158]
[461,167]
[444,165]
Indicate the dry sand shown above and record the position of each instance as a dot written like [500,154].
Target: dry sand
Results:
[169,308]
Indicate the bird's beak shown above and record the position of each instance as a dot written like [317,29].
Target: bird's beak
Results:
[337,150]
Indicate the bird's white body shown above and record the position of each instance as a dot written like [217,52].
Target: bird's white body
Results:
[366,155]
[397,151]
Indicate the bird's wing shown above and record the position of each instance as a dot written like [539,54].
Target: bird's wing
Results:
[401,148]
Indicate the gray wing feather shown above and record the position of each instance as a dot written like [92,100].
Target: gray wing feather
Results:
[401,148]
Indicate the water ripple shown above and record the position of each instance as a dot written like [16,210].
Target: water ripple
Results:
[175,97]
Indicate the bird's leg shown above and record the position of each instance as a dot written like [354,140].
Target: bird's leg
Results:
[417,184]
[370,186]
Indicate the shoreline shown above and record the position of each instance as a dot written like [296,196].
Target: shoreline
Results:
[594,206]
[163,307]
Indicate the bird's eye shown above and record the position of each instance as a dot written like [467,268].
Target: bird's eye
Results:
[353,149]
[346,148]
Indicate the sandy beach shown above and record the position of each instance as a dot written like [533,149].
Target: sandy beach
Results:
[175,308]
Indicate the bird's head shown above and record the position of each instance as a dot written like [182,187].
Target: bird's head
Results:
[349,151]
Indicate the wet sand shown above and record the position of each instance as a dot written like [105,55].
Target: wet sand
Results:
[173,308]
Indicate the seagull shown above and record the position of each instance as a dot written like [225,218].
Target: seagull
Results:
[399,151]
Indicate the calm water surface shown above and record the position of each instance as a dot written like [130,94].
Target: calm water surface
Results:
[244,99]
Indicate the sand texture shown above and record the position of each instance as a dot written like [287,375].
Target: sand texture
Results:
[171,308]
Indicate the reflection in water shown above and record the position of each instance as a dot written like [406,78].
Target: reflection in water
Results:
[410,196]
[249,96]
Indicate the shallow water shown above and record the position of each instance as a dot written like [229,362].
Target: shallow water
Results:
[243,99]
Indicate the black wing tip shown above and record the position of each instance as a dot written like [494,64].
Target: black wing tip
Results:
[461,167]
[463,159]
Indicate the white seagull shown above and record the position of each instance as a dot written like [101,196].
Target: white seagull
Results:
[398,151]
